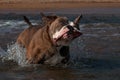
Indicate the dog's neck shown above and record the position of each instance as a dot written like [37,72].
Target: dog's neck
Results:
[55,44]
[50,38]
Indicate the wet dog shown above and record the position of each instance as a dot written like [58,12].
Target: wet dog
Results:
[25,36]
[50,44]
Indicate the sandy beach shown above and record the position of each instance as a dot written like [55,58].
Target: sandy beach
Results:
[31,6]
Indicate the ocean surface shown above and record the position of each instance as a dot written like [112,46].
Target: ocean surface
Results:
[94,56]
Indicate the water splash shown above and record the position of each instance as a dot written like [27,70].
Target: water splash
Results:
[2,52]
[16,53]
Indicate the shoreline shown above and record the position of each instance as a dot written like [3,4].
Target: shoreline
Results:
[55,6]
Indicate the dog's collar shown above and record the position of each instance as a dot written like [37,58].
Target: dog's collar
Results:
[51,40]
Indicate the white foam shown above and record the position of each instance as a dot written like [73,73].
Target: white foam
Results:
[17,54]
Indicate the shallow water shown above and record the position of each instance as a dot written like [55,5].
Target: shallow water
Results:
[94,56]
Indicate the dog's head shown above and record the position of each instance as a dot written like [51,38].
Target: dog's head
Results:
[62,31]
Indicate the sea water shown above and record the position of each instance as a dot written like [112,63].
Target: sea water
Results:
[94,56]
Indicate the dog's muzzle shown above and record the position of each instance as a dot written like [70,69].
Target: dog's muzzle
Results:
[67,32]
[73,31]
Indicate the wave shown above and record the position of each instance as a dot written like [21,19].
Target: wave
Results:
[9,25]
[20,24]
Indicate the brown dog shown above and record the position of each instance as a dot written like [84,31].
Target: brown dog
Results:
[45,43]
[25,37]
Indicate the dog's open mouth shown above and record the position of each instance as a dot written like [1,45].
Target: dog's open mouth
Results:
[69,36]
[66,34]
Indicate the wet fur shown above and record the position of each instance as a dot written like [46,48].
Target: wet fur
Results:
[37,40]
[42,48]
[26,35]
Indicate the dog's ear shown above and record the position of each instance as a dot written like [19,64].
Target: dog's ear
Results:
[48,19]
[53,16]
[44,18]
[77,20]
[42,14]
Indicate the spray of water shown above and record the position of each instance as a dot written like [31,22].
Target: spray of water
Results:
[16,53]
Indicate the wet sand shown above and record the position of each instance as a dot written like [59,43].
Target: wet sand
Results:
[36,6]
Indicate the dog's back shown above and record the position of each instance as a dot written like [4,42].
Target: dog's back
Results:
[25,37]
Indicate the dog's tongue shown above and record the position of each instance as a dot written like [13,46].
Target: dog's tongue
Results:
[74,35]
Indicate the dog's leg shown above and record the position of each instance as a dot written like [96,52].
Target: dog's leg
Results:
[38,57]
[37,60]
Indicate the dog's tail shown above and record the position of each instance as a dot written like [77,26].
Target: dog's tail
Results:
[27,21]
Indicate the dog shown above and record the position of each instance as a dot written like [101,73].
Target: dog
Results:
[25,36]
[50,44]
